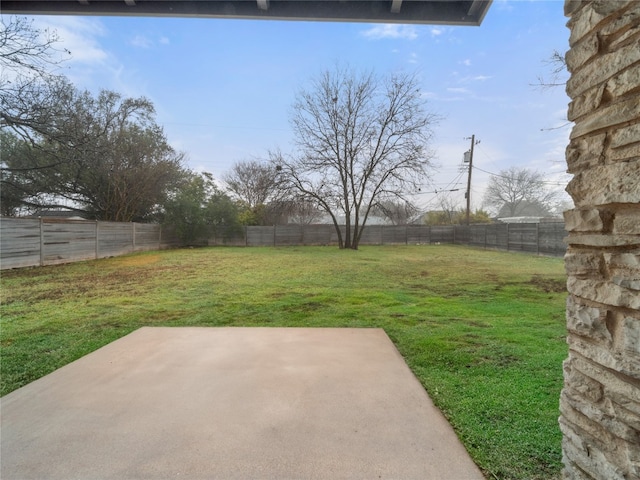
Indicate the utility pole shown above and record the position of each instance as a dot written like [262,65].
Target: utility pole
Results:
[468,194]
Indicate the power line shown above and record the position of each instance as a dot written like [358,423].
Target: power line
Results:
[436,192]
[558,184]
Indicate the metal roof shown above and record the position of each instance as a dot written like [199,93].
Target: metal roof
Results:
[449,12]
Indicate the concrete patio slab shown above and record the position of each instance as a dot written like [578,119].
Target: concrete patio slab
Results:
[232,403]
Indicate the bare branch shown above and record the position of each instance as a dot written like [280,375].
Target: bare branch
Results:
[361,138]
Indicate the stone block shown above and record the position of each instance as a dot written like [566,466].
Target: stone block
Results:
[624,154]
[574,380]
[585,103]
[585,15]
[585,152]
[586,321]
[627,365]
[572,6]
[623,83]
[607,416]
[574,450]
[605,184]
[631,339]
[627,221]
[626,135]
[606,8]
[604,241]
[583,220]
[625,261]
[620,389]
[584,264]
[603,291]
[582,52]
[603,68]
[613,115]
[588,452]
[624,26]
[623,269]
[582,21]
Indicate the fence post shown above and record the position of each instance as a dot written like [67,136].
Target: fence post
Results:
[97,239]
[508,237]
[538,238]
[133,236]
[41,242]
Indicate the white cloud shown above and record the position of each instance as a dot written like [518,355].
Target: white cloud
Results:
[466,62]
[91,66]
[141,41]
[79,36]
[436,31]
[388,31]
[413,58]
[458,90]
[475,78]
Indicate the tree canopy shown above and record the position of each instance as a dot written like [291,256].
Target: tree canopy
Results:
[102,155]
[199,208]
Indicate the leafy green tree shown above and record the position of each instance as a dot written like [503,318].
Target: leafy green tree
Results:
[198,208]
[101,155]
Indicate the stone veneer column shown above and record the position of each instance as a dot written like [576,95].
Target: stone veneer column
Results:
[600,402]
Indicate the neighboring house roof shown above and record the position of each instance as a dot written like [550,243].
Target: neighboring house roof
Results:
[530,219]
[68,214]
[445,12]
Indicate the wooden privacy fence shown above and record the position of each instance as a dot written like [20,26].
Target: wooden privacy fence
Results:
[538,238]
[37,242]
[26,242]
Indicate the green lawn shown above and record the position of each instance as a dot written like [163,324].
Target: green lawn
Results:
[483,331]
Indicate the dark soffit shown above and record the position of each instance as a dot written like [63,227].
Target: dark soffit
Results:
[449,12]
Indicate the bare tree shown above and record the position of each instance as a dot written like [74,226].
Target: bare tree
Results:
[361,140]
[27,51]
[398,213]
[253,182]
[447,213]
[515,190]
[29,59]
[304,212]
[257,185]
[557,65]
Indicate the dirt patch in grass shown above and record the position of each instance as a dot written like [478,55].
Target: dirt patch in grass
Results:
[549,285]
[138,261]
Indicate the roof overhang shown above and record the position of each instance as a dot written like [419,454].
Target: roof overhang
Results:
[445,12]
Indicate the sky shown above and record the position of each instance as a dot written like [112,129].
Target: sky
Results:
[223,89]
